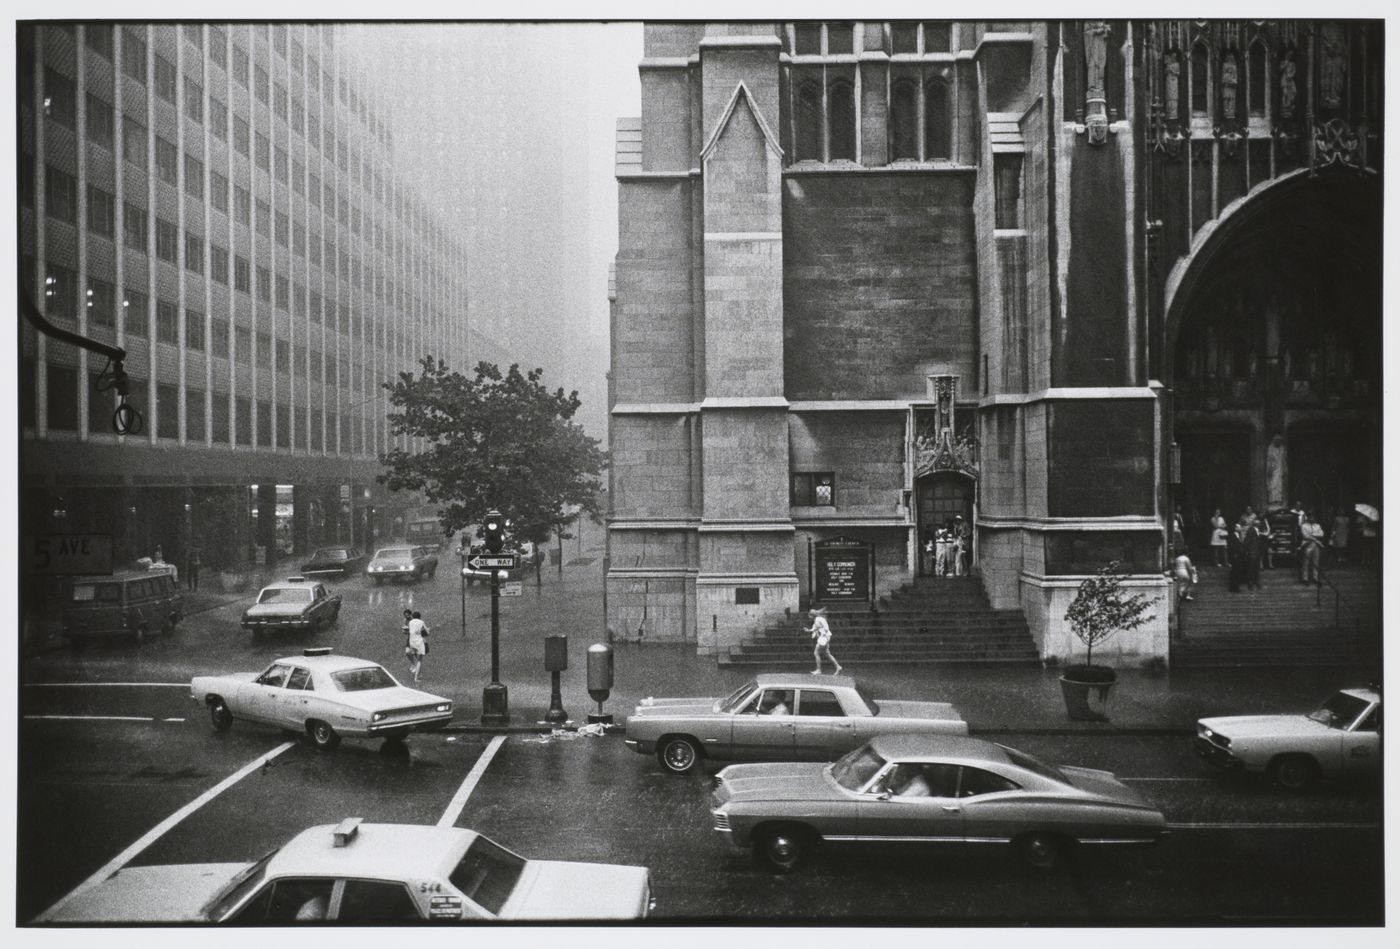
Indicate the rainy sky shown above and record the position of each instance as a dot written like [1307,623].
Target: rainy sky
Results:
[508,128]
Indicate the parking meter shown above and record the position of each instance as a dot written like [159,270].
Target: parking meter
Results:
[600,680]
[556,660]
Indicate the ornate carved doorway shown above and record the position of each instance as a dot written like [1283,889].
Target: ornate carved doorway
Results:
[945,483]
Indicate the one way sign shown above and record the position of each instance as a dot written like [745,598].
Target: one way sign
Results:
[72,554]
[489,561]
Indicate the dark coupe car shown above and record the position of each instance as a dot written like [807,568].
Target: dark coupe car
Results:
[334,562]
[928,789]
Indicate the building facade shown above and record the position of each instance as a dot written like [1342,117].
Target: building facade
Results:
[220,201]
[1061,280]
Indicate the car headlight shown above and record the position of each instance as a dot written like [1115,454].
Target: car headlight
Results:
[377,717]
[445,707]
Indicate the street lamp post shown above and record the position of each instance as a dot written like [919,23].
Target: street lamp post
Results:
[462,552]
[495,702]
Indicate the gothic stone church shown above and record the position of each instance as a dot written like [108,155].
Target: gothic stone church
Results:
[1063,280]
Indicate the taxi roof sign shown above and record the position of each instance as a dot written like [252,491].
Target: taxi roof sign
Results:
[346,831]
[316,651]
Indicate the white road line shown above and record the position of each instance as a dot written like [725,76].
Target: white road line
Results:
[100,718]
[99,685]
[459,800]
[155,833]
[1279,825]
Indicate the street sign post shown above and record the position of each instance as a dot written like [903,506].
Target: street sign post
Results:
[58,555]
[493,562]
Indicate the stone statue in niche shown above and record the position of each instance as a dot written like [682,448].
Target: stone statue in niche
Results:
[1333,74]
[1172,85]
[1229,85]
[1287,84]
[1095,97]
[1277,471]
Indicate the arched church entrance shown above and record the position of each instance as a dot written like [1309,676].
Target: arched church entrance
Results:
[1274,355]
[945,503]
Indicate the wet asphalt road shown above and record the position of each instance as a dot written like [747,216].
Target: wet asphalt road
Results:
[101,766]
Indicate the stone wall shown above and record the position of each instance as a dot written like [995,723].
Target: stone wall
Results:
[879,283]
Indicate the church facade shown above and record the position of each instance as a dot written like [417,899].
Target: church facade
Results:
[1039,285]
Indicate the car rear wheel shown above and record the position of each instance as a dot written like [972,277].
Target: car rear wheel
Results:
[323,736]
[678,754]
[219,715]
[1293,772]
[1041,851]
[782,849]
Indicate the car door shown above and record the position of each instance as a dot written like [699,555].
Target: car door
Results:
[1361,747]
[288,900]
[261,696]
[912,802]
[824,731]
[376,902]
[765,728]
[993,808]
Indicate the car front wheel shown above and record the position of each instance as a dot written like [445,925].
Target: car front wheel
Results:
[782,849]
[1293,772]
[219,715]
[323,736]
[678,754]
[1041,851]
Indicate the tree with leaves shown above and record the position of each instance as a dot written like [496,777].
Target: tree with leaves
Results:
[498,441]
[1101,608]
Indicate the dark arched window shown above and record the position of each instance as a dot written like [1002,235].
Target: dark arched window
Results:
[904,120]
[1258,79]
[1200,78]
[808,133]
[841,98]
[937,126]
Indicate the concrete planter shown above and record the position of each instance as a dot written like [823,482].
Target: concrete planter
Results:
[1086,701]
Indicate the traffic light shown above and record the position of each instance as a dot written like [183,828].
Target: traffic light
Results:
[494,532]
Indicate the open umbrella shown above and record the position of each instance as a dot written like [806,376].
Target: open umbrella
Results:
[1368,512]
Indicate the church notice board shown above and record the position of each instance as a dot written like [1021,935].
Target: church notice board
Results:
[843,571]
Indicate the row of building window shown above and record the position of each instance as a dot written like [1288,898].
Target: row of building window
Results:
[292,429]
[826,121]
[898,37]
[100,39]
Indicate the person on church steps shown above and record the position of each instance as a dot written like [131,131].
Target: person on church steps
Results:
[1219,539]
[1341,534]
[1253,550]
[1237,556]
[1311,549]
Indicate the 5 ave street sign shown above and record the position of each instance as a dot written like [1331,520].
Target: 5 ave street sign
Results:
[72,554]
[514,588]
[492,561]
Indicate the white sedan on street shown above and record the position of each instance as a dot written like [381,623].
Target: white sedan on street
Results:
[324,695]
[365,874]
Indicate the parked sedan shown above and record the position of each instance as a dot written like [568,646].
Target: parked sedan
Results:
[324,696]
[928,789]
[295,603]
[402,563]
[365,874]
[334,562]
[1342,737]
[779,717]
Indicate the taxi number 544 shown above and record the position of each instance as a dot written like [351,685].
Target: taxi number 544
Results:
[427,887]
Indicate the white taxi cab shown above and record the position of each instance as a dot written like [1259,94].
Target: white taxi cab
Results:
[366,874]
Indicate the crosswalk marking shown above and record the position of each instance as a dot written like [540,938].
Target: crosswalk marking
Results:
[459,800]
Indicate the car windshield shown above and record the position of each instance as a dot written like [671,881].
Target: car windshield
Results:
[855,770]
[96,592]
[232,895]
[285,595]
[394,553]
[332,553]
[364,679]
[869,702]
[1340,710]
[732,701]
[1034,765]
[487,874]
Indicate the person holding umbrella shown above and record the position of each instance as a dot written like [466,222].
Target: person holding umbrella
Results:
[1370,521]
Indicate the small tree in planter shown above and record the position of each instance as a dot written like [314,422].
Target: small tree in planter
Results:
[1099,610]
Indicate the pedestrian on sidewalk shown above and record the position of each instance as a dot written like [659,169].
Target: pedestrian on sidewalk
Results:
[417,646]
[192,567]
[1311,533]
[1219,539]
[821,632]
